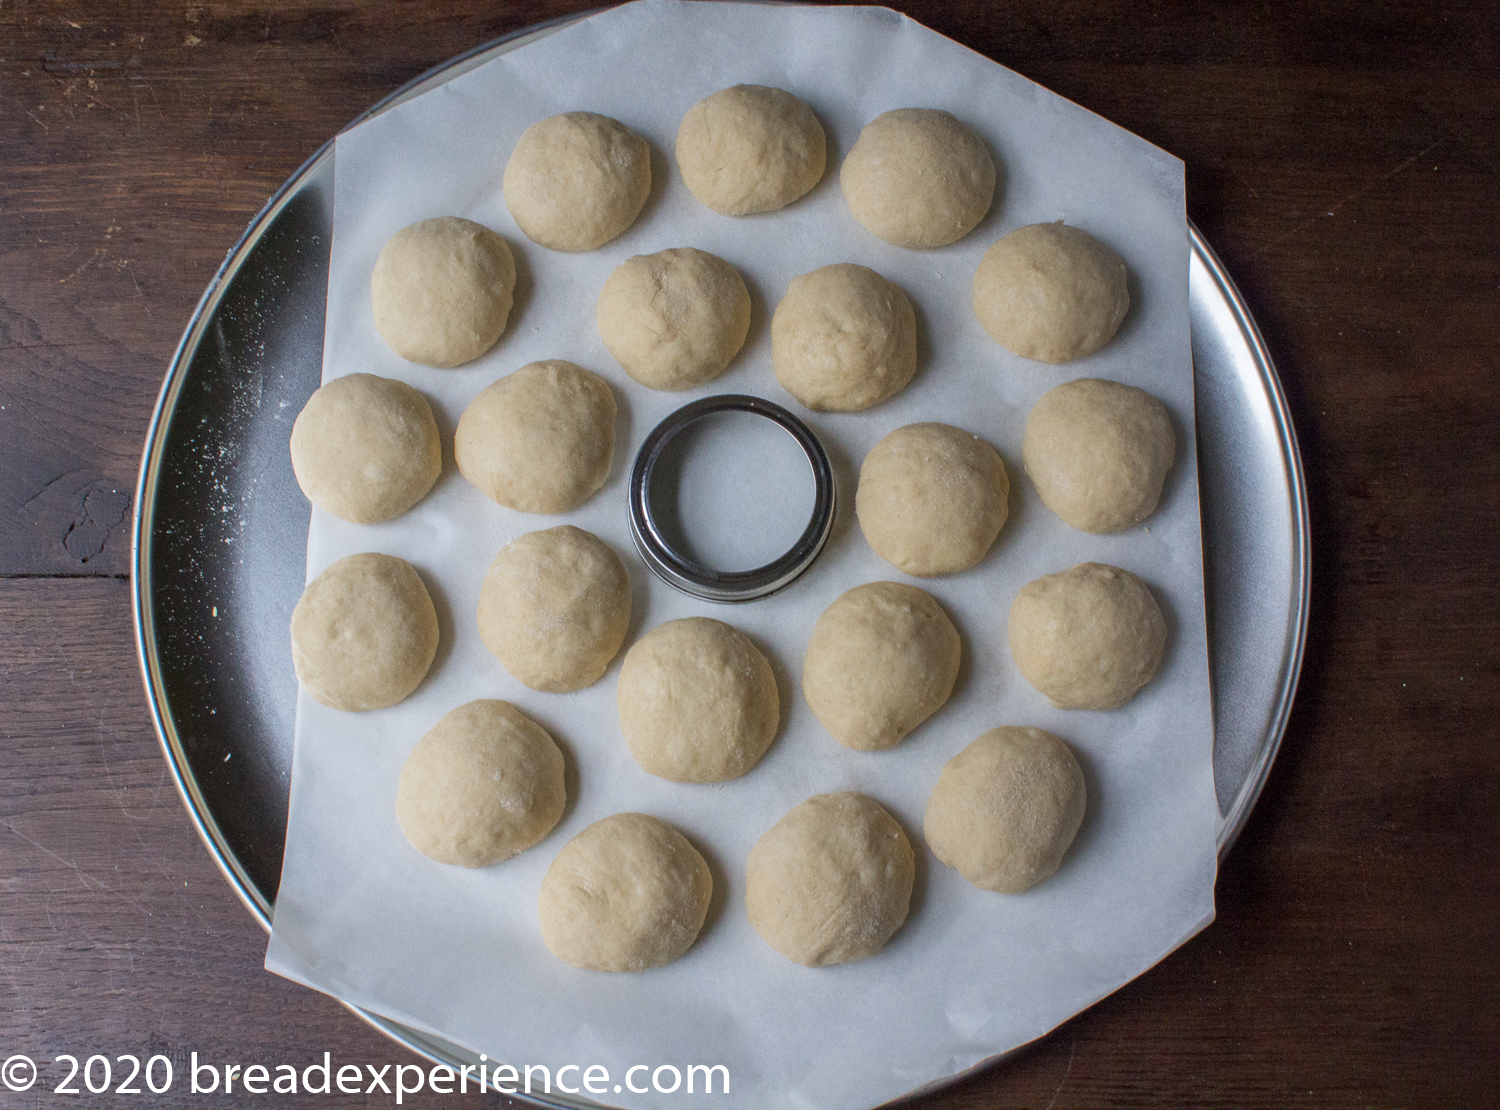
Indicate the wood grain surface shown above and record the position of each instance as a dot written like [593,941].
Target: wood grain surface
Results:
[1343,159]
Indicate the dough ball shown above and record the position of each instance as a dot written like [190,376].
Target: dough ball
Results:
[831,881]
[485,783]
[931,499]
[843,338]
[442,290]
[1098,452]
[1088,637]
[555,607]
[627,893]
[750,149]
[881,660]
[364,633]
[674,319]
[1050,292]
[698,702]
[540,440]
[917,177]
[1006,808]
[366,448]
[577,180]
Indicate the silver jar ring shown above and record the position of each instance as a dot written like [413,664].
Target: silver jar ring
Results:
[681,571]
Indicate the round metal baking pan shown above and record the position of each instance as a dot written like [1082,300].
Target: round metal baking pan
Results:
[220,532]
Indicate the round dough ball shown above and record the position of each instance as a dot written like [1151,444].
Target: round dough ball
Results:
[881,660]
[931,499]
[554,608]
[698,702]
[485,783]
[674,319]
[577,180]
[366,448]
[1088,637]
[442,290]
[1006,808]
[627,893]
[917,177]
[1050,292]
[364,633]
[540,440]
[1098,452]
[843,338]
[831,881]
[750,149]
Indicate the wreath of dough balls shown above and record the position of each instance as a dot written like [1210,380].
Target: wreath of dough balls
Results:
[843,338]
[1051,293]
[364,633]
[697,701]
[1088,637]
[442,290]
[917,177]
[931,499]
[674,319]
[750,149]
[881,660]
[554,608]
[540,440]
[366,448]
[831,881]
[1098,452]
[1006,808]
[577,180]
[485,783]
[626,894]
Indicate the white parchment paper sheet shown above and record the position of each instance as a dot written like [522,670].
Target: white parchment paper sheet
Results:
[363,916]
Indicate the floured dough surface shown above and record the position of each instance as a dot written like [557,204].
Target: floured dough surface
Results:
[697,701]
[750,149]
[1050,292]
[577,180]
[366,448]
[917,177]
[1098,452]
[932,498]
[485,783]
[364,633]
[1088,637]
[1006,808]
[843,338]
[441,291]
[626,894]
[554,608]
[831,881]
[881,660]
[539,440]
[674,319]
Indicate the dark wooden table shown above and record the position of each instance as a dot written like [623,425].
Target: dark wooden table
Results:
[1343,158]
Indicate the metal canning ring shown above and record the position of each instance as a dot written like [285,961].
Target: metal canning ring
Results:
[691,577]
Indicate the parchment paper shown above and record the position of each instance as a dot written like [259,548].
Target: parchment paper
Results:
[364,917]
